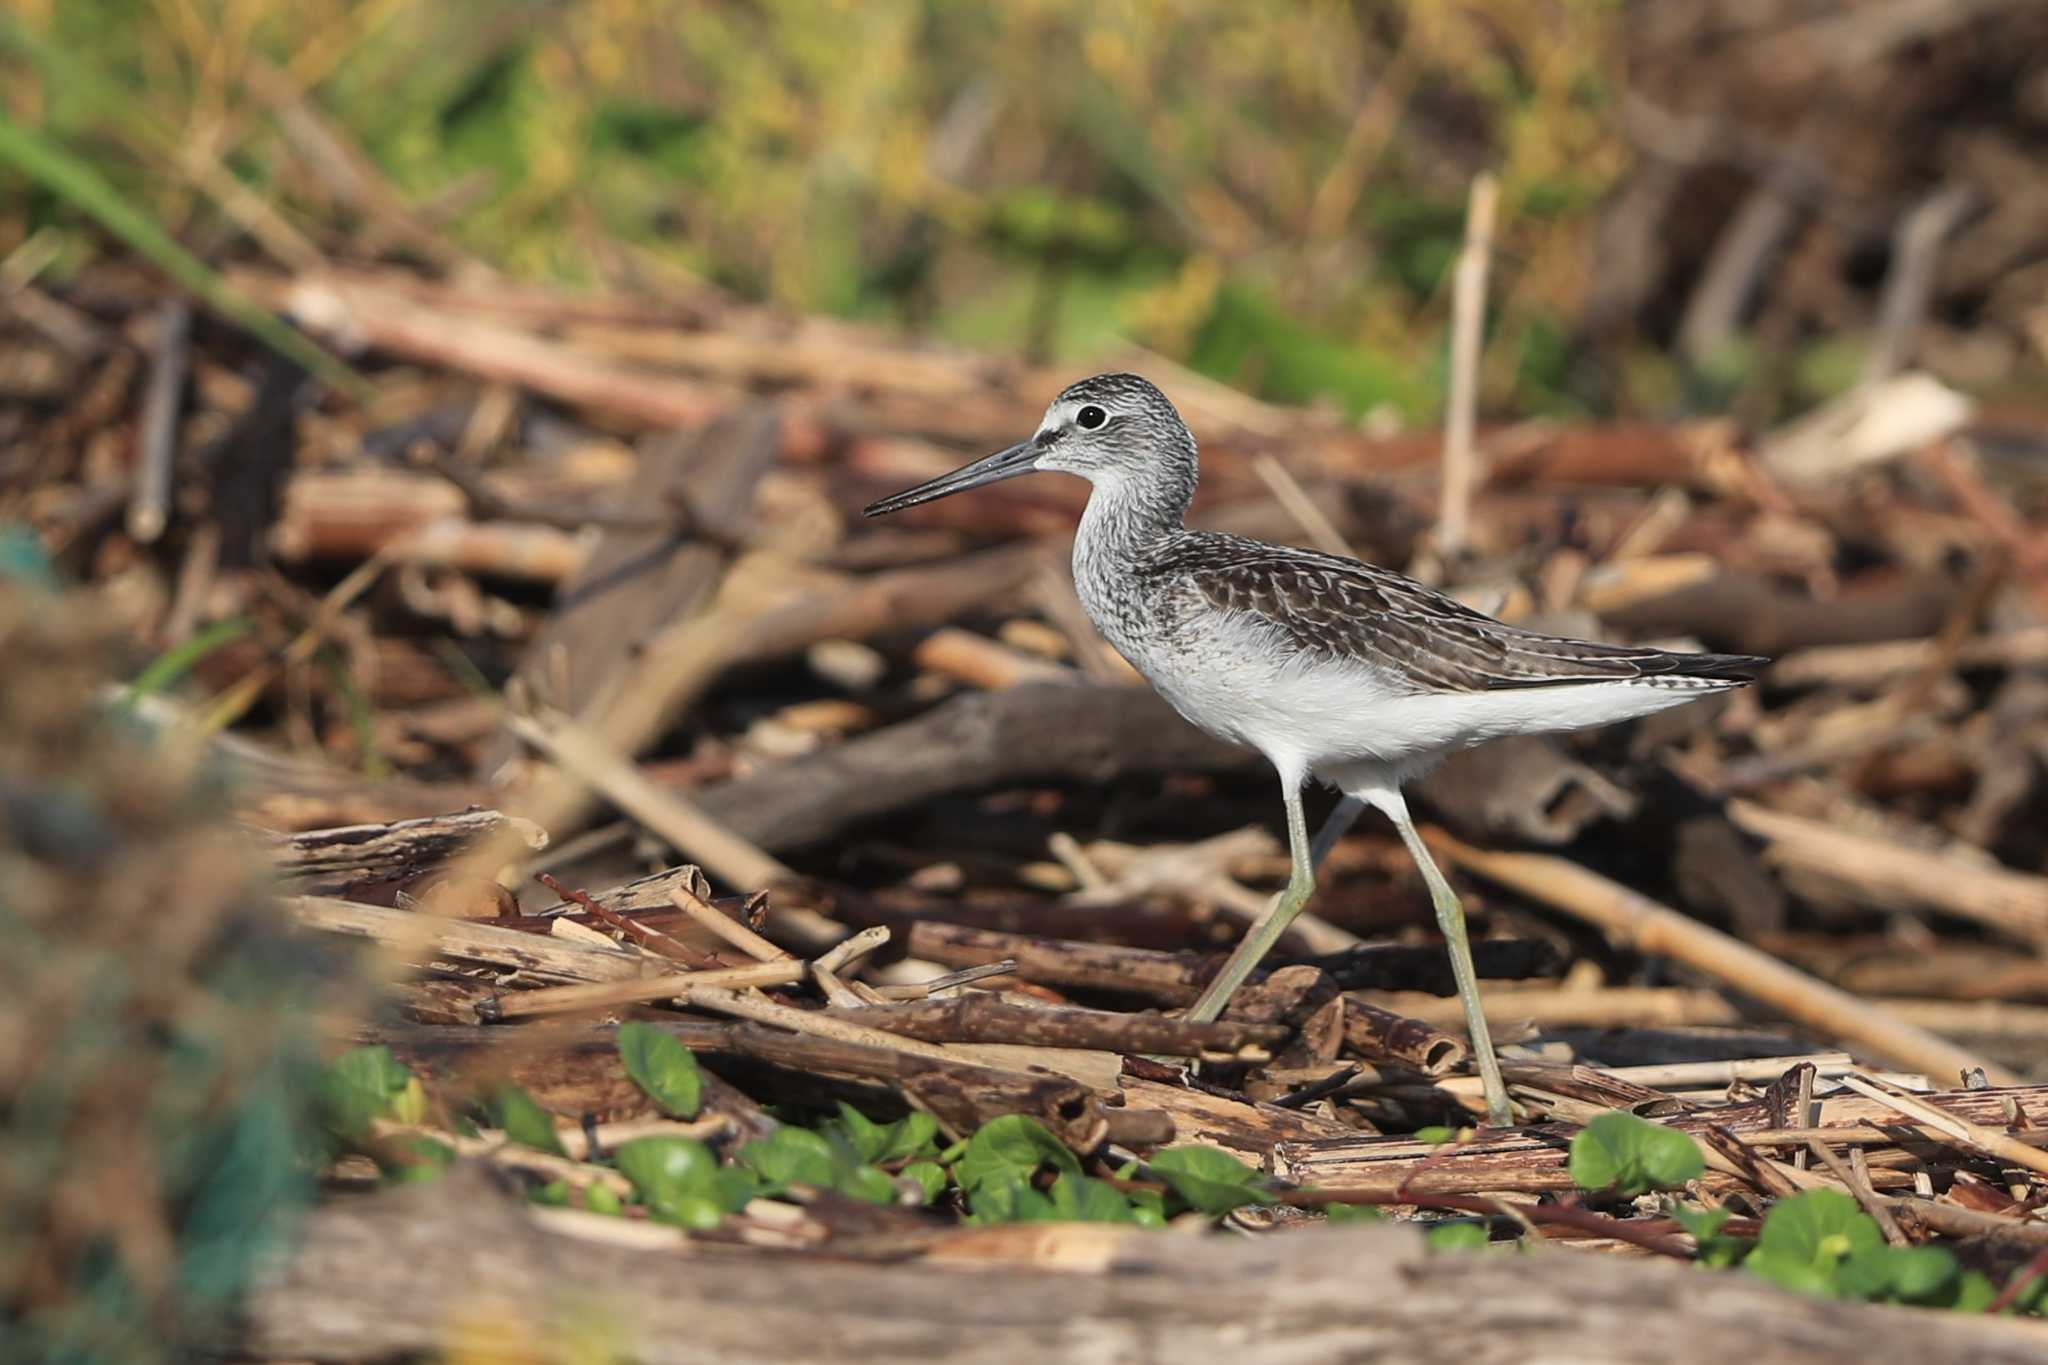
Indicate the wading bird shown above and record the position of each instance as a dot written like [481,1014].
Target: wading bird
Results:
[1330,667]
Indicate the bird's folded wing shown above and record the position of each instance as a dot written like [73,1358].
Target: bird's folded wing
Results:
[1386,621]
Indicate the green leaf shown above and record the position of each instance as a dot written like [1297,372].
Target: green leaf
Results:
[1148,1208]
[1081,1199]
[735,1187]
[1789,1272]
[915,1135]
[676,1178]
[863,1134]
[522,1120]
[790,1156]
[1206,1179]
[603,1199]
[413,1157]
[1972,1292]
[870,1184]
[180,659]
[1456,1237]
[1435,1134]
[1820,1242]
[1352,1213]
[1004,1196]
[929,1175]
[1705,1227]
[1922,1274]
[1628,1155]
[359,1087]
[554,1194]
[662,1067]
[1014,1144]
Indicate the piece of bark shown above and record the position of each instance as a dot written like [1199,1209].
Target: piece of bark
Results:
[1885,872]
[373,1278]
[427,939]
[962,1095]
[1396,966]
[571,1073]
[977,1017]
[345,859]
[655,892]
[246,467]
[1532,1160]
[637,581]
[1751,614]
[1178,978]
[386,320]
[1171,978]
[1037,731]
[1248,1129]
[1380,1035]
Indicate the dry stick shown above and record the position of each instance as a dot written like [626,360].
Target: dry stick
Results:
[844,955]
[424,938]
[981,662]
[696,835]
[1864,1135]
[2001,1146]
[1958,470]
[1653,928]
[149,501]
[983,1018]
[925,990]
[329,861]
[562,999]
[238,697]
[807,1021]
[1916,247]
[646,935]
[1295,501]
[726,927]
[1866,1196]
[2015,903]
[837,993]
[1954,1220]
[1468,323]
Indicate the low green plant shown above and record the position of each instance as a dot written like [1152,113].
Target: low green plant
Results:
[1626,1155]
[662,1067]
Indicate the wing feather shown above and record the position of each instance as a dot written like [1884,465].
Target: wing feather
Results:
[1347,609]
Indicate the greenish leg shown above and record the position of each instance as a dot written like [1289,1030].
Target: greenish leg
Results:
[1450,917]
[1260,938]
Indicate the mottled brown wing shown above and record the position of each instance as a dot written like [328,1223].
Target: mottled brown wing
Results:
[1346,609]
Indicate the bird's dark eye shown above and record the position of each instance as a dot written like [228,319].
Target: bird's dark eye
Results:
[1090,417]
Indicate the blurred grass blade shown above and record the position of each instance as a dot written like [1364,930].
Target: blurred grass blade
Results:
[174,664]
[81,186]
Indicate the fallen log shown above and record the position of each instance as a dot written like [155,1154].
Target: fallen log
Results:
[376,1277]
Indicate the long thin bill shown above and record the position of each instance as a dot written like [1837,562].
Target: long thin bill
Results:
[1021,458]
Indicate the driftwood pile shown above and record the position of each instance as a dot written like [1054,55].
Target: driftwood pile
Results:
[869,813]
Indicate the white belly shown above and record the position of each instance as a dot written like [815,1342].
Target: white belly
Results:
[1317,715]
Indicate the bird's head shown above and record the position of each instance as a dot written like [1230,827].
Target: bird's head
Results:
[1106,428]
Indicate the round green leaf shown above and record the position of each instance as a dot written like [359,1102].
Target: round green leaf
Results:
[662,1067]
[1206,1179]
[524,1121]
[1015,1144]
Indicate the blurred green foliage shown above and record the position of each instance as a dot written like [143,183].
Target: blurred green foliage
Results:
[1273,193]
